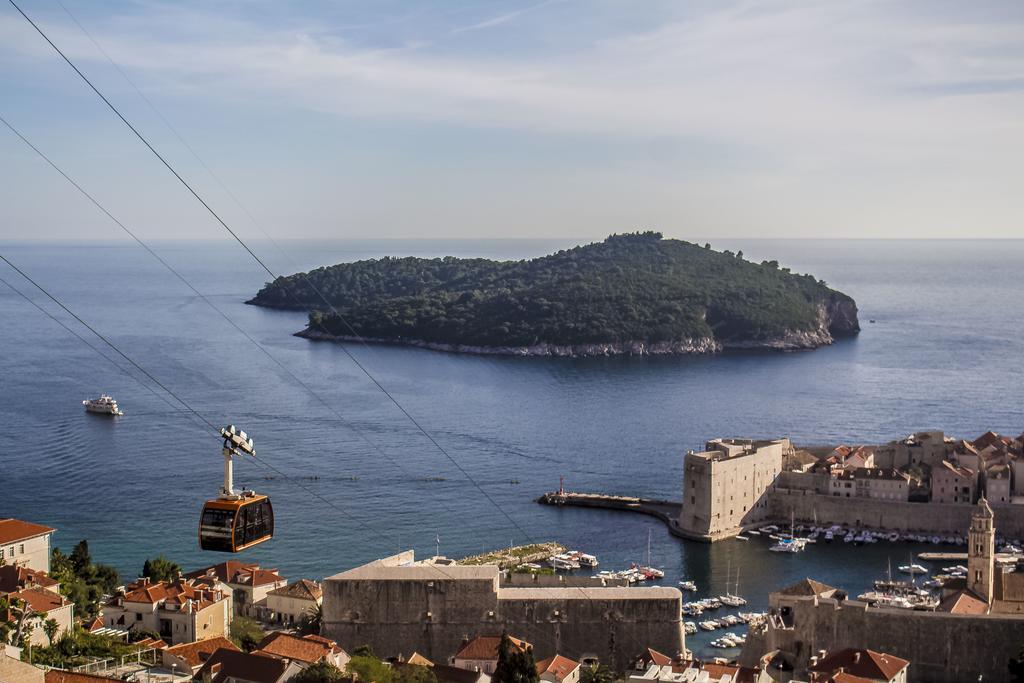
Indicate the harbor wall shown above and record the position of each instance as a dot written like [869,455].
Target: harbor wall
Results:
[939,518]
[942,647]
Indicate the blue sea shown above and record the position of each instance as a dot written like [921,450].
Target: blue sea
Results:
[944,352]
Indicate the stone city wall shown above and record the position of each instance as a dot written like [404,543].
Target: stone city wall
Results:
[939,518]
[942,648]
[433,617]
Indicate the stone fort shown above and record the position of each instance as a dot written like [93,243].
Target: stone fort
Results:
[397,605]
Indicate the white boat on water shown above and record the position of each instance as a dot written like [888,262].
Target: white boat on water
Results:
[690,627]
[688,585]
[563,562]
[788,545]
[912,569]
[104,405]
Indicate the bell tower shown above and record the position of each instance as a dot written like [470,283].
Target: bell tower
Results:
[981,551]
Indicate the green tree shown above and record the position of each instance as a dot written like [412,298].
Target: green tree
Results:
[598,673]
[411,673]
[50,628]
[161,569]
[363,651]
[370,669]
[312,620]
[246,633]
[80,558]
[321,672]
[514,665]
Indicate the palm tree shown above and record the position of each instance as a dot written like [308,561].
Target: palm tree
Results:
[312,620]
[50,628]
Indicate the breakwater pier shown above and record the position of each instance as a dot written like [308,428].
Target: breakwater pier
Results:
[665,510]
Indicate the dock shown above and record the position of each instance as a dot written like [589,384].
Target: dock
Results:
[1002,558]
[665,510]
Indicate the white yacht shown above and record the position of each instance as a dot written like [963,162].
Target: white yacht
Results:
[104,405]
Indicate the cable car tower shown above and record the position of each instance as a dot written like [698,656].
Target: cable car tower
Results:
[235,520]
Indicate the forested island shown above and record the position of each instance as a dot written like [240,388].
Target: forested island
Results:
[635,293]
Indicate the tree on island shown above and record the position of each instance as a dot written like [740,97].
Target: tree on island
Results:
[160,569]
[514,665]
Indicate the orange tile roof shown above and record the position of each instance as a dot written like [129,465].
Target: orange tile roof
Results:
[304,589]
[237,572]
[226,664]
[176,593]
[198,652]
[40,600]
[740,674]
[486,647]
[13,530]
[558,665]
[310,649]
[658,658]
[862,662]
[963,602]
[14,577]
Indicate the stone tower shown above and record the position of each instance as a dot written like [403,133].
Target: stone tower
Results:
[981,551]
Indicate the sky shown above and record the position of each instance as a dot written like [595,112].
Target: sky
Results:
[484,118]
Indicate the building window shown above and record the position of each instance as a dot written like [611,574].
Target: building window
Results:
[693,500]
[138,616]
[21,548]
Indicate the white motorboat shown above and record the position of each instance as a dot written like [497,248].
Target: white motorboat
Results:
[104,405]
[912,569]
[688,585]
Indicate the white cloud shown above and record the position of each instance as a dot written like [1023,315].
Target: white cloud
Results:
[807,91]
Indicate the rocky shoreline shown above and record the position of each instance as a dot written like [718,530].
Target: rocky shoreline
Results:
[792,341]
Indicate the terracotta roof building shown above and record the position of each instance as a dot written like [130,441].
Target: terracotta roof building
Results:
[864,664]
[25,544]
[189,657]
[181,611]
[481,653]
[25,586]
[292,603]
[247,585]
[305,650]
[231,666]
[558,669]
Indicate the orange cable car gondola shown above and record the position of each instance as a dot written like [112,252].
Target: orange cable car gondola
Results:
[235,520]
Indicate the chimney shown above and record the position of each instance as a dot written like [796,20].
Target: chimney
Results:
[856,657]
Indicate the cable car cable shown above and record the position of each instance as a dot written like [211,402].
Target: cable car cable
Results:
[202,296]
[188,407]
[94,348]
[167,265]
[235,235]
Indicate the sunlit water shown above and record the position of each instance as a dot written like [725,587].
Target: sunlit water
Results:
[945,352]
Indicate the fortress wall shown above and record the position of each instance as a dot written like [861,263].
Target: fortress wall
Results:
[941,647]
[392,615]
[940,518]
[611,624]
[613,630]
